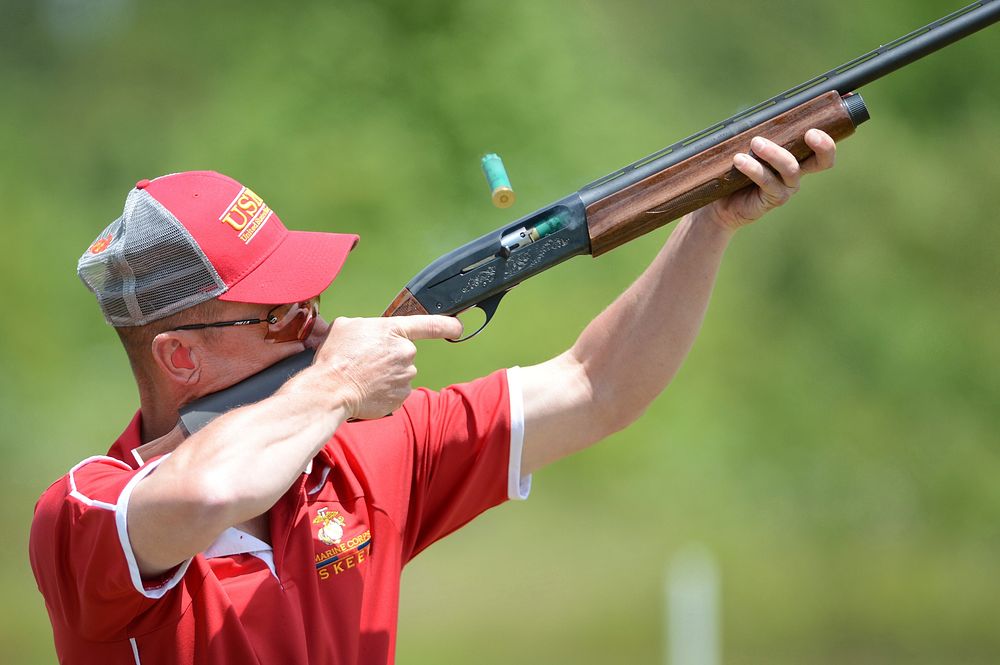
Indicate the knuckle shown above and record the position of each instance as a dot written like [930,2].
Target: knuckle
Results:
[787,168]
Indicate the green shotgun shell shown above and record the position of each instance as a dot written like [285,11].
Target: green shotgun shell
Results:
[496,177]
[549,226]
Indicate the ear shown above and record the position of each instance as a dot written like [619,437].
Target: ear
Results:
[177,357]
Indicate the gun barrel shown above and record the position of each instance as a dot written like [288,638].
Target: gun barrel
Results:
[845,78]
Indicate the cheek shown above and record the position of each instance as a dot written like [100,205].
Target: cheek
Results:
[233,363]
[246,364]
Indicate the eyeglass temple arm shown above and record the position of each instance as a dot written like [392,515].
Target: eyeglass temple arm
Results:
[224,324]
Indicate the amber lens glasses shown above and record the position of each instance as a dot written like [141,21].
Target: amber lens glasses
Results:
[292,323]
[285,323]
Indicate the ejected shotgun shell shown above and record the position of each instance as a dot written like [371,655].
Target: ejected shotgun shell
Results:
[496,177]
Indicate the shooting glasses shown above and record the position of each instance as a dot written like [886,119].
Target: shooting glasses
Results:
[285,323]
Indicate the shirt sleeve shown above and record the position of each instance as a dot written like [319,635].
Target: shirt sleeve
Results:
[467,456]
[81,555]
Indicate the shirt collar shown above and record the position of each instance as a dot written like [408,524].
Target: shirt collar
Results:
[128,441]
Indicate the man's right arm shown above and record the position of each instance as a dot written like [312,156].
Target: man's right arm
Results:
[238,466]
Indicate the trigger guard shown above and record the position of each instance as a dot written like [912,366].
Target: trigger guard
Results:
[489,307]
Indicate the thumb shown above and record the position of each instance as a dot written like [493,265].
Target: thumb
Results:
[428,326]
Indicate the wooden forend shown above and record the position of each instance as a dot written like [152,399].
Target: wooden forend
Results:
[709,175]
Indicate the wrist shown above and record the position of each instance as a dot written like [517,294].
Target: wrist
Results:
[330,394]
[705,221]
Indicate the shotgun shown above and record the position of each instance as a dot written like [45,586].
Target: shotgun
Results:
[635,199]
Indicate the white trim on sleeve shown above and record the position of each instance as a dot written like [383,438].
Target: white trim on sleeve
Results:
[518,488]
[121,521]
[83,498]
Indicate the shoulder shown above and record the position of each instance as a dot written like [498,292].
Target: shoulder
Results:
[97,480]
[86,499]
[86,494]
[94,482]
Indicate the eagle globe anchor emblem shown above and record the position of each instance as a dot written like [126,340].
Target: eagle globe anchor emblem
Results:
[331,528]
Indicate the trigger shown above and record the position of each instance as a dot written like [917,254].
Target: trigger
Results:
[489,307]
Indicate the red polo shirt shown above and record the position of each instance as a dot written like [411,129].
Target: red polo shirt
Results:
[326,589]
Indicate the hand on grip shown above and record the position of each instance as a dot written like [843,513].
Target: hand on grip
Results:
[372,360]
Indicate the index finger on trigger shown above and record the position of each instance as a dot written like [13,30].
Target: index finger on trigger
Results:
[429,326]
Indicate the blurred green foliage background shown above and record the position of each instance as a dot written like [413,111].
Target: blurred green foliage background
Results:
[833,437]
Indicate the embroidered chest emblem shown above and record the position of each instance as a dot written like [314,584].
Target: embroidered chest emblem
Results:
[331,528]
[345,543]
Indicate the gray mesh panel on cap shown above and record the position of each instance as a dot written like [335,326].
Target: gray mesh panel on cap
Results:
[151,268]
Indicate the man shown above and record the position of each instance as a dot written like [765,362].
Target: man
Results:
[277,533]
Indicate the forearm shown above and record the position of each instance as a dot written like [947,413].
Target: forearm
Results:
[629,353]
[632,350]
[232,470]
[246,459]
[241,464]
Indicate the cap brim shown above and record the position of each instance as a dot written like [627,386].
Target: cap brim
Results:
[302,266]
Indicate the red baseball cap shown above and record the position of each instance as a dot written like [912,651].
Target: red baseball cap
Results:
[185,238]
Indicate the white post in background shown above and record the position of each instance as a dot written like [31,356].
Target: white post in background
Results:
[692,596]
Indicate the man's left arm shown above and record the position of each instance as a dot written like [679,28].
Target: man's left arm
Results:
[628,354]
